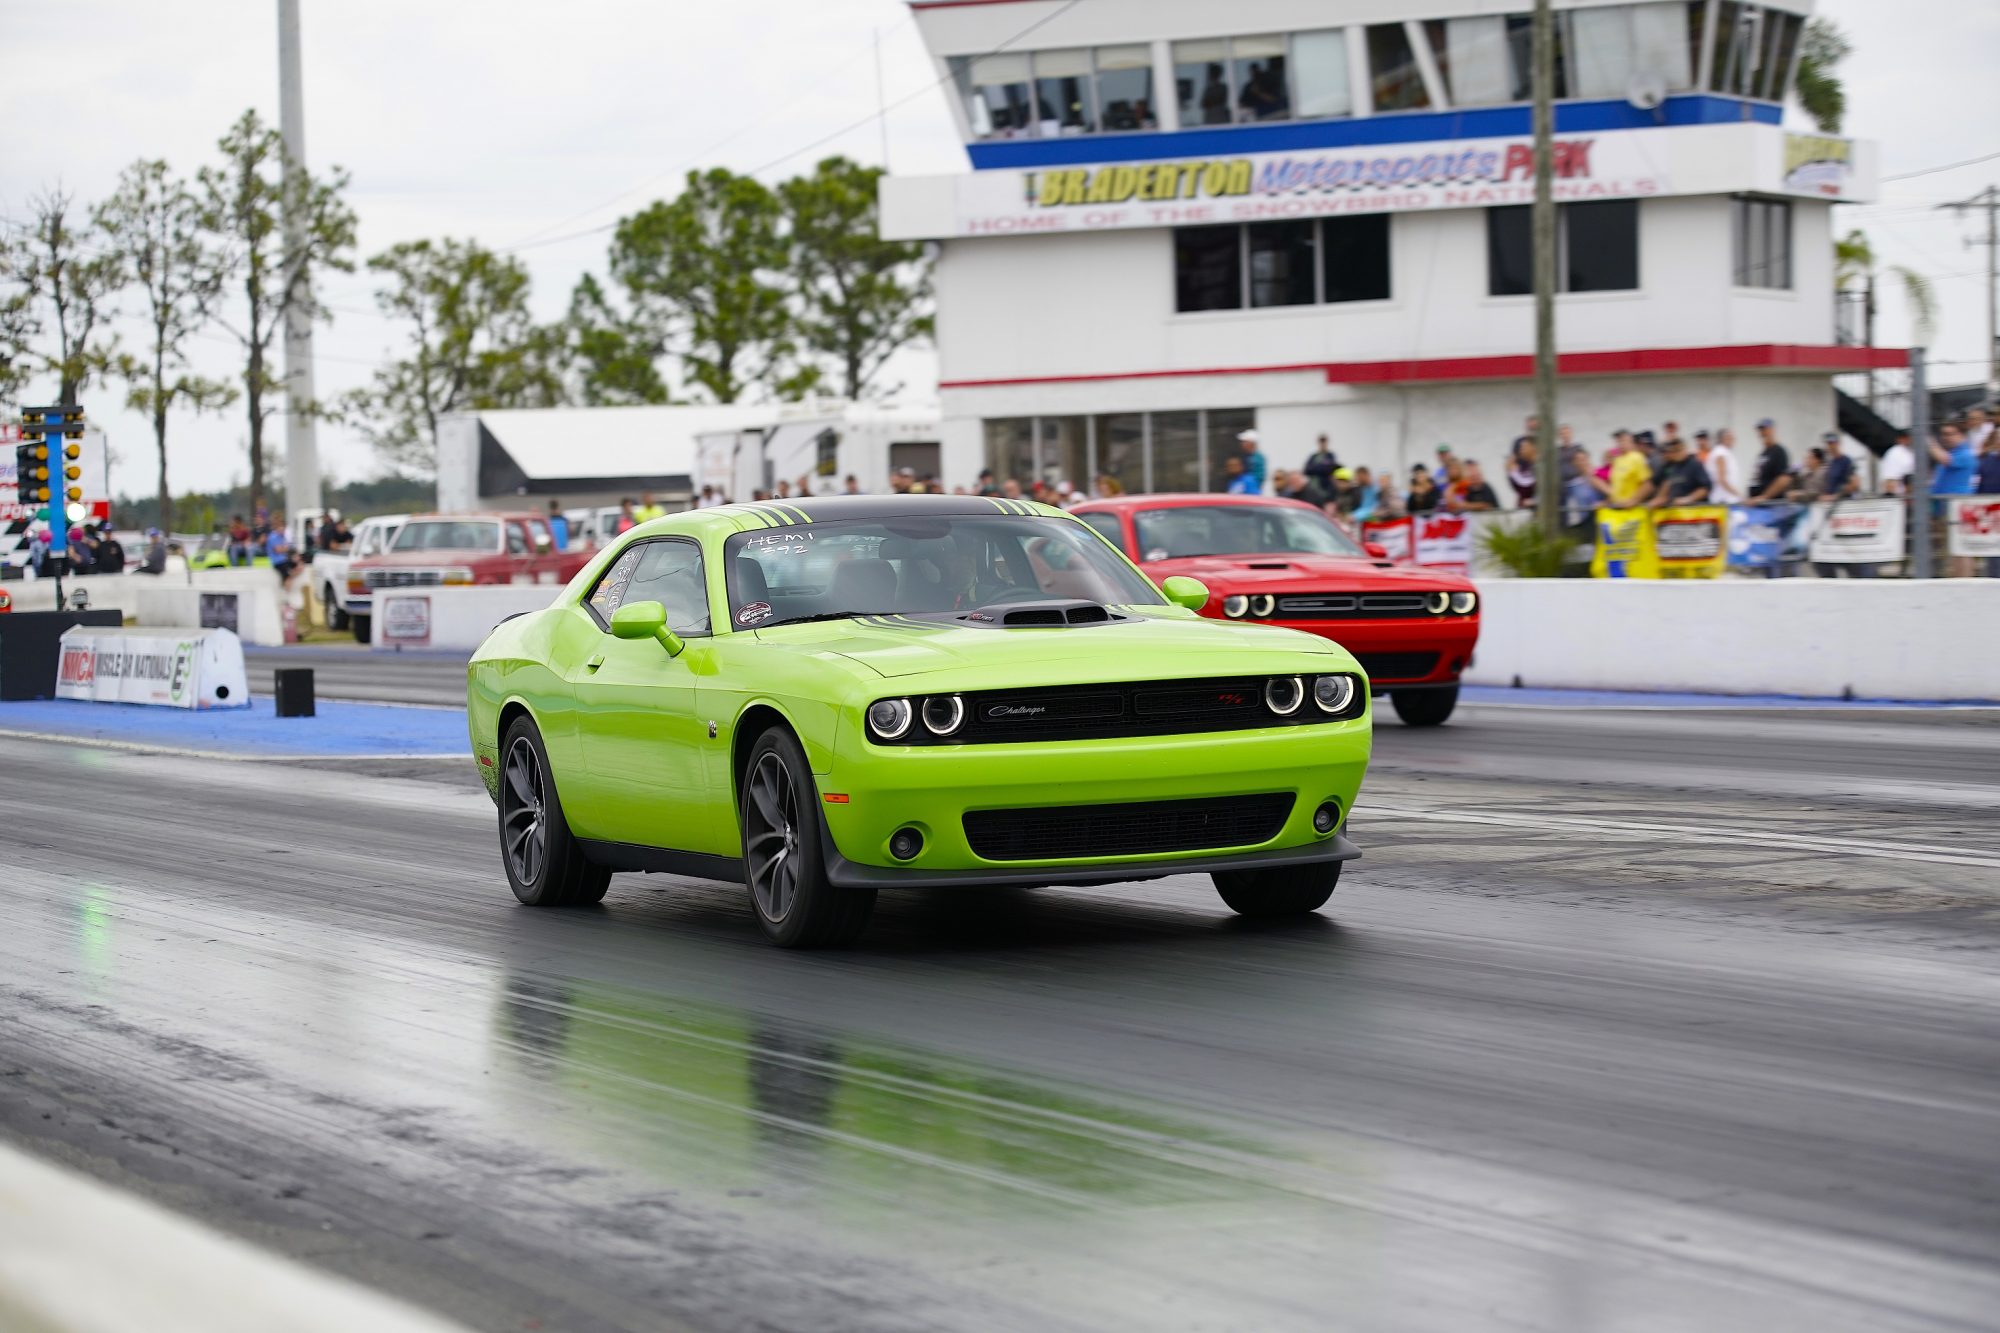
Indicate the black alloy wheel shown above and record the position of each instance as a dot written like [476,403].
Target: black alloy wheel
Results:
[1278,891]
[795,903]
[1424,708]
[545,865]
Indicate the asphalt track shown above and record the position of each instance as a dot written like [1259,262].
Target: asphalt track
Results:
[1627,1020]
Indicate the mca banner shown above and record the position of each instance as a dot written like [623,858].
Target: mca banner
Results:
[166,668]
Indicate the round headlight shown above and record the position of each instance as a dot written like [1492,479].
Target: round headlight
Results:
[1263,605]
[1284,694]
[1235,606]
[889,719]
[1437,603]
[1333,694]
[943,713]
[1464,603]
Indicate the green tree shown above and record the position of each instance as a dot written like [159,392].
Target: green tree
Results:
[614,359]
[18,325]
[154,225]
[861,298]
[1854,267]
[1818,84]
[472,343]
[64,283]
[704,273]
[244,203]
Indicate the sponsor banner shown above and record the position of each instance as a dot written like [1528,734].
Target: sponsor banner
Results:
[1975,525]
[164,668]
[405,619]
[1689,541]
[1393,536]
[1763,537]
[1856,532]
[1252,187]
[1443,541]
[1624,547]
[1819,164]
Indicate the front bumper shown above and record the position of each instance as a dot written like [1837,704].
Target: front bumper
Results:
[1392,643]
[931,787]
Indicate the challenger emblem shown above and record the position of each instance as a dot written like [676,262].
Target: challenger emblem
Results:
[999,711]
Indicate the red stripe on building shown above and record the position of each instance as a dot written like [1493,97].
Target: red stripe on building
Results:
[1640,361]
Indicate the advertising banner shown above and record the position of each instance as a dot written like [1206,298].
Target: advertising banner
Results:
[1624,546]
[1393,536]
[1689,541]
[1443,541]
[1763,537]
[406,619]
[1856,532]
[165,668]
[1975,525]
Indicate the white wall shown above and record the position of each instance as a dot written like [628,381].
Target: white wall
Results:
[460,618]
[168,600]
[1821,638]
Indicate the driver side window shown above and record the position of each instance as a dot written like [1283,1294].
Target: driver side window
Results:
[516,543]
[669,572]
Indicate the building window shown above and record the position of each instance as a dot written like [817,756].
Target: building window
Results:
[1062,93]
[1612,47]
[1140,451]
[1262,80]
[1476,59]
[996,95]
[1356,255]
[1319,66]
[1762,232]
[1392,68]
[1229,80]
[1125,87]
[1201,78]
[1597,248]
[1208,268]
[1266,264]
[1753,52]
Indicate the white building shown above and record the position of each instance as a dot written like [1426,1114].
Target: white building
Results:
[1186,218]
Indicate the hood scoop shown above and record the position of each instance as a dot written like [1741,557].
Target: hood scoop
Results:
[1042,614]
[1268,564]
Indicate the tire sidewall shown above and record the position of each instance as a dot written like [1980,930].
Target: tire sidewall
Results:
[546,889]
[813,885]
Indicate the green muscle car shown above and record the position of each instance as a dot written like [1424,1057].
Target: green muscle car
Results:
[826,698]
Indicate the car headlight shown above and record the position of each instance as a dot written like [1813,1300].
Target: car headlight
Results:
[1437,603]
[1333,694]
[1284,694]
[458,575]
[943,713]
[1235,606]
[889,719]
[1263,605]
[1464,603]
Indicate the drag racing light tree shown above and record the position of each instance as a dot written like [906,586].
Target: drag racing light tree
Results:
[49,474]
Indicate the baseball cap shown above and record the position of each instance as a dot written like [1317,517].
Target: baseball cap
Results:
[1830,437]
[1444,448]
[1767,424]
[1344,474]
[1247,437]
[1701,435]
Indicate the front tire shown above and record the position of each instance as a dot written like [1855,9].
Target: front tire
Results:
[795,903]
[1424,708]
[545,865]
[1278,891]
[336,614]
[359,624]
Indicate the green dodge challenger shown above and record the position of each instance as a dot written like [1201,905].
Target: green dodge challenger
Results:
[824,699]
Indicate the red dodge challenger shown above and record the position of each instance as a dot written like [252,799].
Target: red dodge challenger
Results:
[1281,561]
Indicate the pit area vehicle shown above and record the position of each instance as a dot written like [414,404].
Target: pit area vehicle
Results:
[1277,562]
[347,607]
[826,698]
[459,551]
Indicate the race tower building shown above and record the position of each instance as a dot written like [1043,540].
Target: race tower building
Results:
[1185,218]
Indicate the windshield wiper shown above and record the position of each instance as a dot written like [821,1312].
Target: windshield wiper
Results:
[807,620]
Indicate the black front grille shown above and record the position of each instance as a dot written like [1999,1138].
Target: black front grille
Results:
[1136,708]
[1397,666]
[1066,832]
[1350,606]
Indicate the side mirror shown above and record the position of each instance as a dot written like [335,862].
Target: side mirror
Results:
[1184,591]
[1376,549]
[646,620]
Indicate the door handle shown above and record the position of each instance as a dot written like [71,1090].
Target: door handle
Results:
[596,661]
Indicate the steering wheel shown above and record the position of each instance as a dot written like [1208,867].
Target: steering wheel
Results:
[1015,594]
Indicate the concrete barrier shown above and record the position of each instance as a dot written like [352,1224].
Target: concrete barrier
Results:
[1882,639]
[172,599]
[449,618]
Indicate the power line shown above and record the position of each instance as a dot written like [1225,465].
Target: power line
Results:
[1949,166]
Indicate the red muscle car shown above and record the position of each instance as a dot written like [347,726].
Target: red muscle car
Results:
[1286,563]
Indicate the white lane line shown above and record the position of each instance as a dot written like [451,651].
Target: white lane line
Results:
[1705,834]
[77,1256]
[181,751]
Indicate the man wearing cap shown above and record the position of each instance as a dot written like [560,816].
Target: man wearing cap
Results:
[1253,462]
[1842,481]
[1679,479]
[1774,467]
[1442,473]
[1321,465]
[156,553]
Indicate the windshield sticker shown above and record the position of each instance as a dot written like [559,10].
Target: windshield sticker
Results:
[779,540]
[753,613]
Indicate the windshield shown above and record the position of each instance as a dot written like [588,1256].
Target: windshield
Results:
[903,566]
[1192,530]
[448,535]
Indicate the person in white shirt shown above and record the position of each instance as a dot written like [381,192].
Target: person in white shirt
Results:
[1720,460]
[1898,462]
[1978,426]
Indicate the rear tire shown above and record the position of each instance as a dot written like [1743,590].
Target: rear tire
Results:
[359,624]
[1279,891]
[1424,708]
[783,864]
[545,865]
[336,614]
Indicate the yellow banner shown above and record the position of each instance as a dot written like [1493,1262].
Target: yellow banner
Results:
[1687,542]
[1624,546]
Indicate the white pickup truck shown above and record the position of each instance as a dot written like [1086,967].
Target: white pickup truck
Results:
[347,608]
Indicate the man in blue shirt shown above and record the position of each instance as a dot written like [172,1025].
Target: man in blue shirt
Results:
[1253,463]
[1952,454]
[1237,479]
[558,526]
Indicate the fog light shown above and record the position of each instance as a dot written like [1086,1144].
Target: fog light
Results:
[905,844]
[1326,817]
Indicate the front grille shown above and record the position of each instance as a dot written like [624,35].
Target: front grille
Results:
[1397,666]
[403,578]
[1137,708]
[1067,832]
[1350,606]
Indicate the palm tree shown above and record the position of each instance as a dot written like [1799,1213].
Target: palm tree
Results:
[1854,270]
[1819,88]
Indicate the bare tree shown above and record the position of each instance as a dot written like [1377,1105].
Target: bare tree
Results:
[58,315]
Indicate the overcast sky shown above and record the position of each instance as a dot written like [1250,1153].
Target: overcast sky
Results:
[514,122]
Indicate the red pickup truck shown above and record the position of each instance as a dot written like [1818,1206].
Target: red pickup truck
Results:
[464,550]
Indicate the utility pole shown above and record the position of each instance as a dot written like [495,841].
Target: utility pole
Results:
[1988,199]
[1920,475]
[881,101]
[301,431]
[1548,468]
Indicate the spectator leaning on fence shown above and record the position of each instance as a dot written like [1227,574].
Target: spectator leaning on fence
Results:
[1774,467]
[1521,472]
[1321,464]
[1954,459]
[1842,480]
[1898,462]
[1252,457]
[1472,492]
[1679,479]
[1424,492]
[1631,473]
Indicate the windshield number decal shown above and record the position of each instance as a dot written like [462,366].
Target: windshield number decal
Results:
[754,613]
[779,540]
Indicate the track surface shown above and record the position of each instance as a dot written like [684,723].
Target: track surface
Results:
[1626,1021]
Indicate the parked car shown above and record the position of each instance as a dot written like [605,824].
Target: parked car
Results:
[345,607]
[1282,562]
[462,550]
